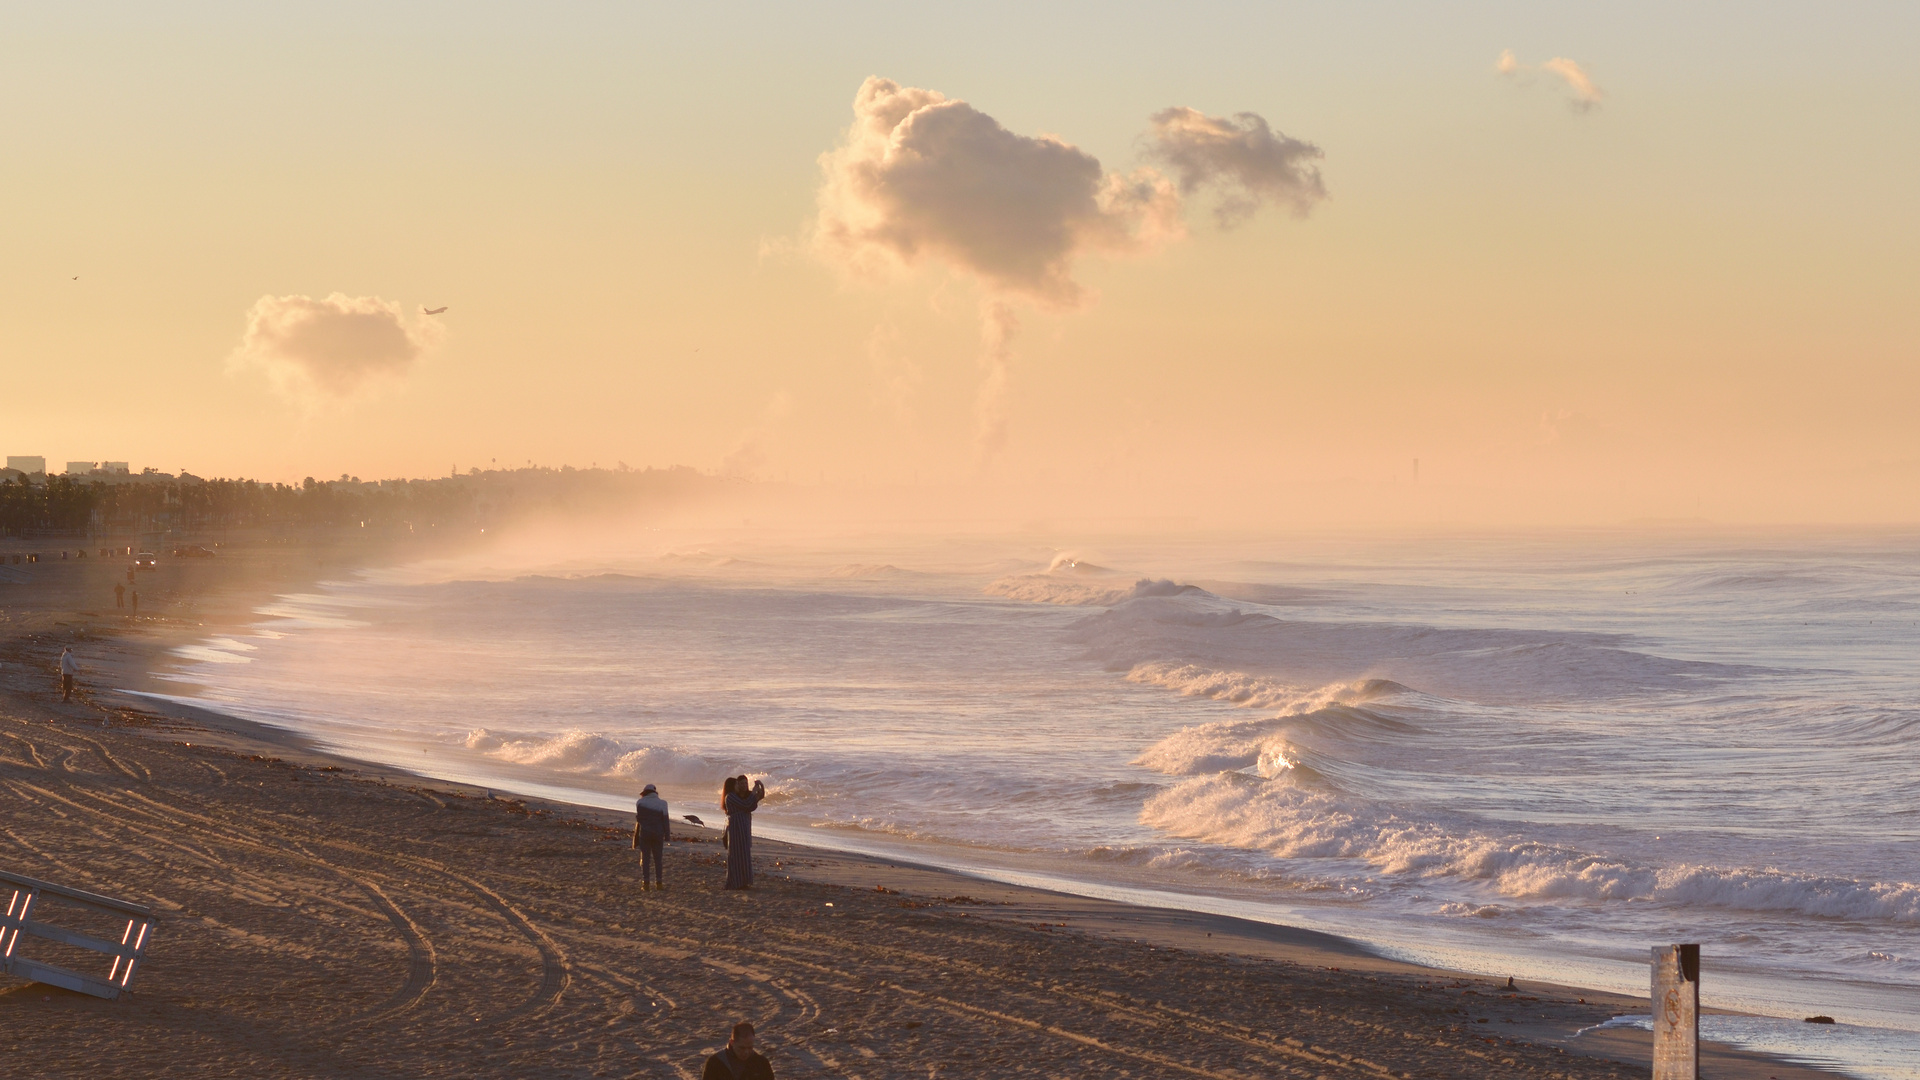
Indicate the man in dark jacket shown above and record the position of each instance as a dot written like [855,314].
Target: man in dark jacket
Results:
[736,1060]
[652,828]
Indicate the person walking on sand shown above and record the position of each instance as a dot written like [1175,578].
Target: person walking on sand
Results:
[69,667]
[652,828]
[740,803]
[736,1060]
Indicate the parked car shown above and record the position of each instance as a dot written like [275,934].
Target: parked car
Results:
[146,560]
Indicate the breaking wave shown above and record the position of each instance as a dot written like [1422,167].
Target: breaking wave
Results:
[585,752]
[1052,588]
[1291,821]
[1256,691]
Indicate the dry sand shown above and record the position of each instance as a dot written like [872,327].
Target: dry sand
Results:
[324,918]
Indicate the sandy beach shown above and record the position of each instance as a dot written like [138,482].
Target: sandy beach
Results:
[322,917]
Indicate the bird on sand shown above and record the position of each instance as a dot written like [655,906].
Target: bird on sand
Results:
[695,818]
[433,311]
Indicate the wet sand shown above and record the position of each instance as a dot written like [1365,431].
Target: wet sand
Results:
[327,918]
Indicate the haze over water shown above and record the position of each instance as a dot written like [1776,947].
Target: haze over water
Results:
[1519,755]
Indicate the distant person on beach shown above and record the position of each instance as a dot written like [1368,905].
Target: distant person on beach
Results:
[119,595]
[69,667]
[740,802]
[652,828]
[136,602]
[736,1060]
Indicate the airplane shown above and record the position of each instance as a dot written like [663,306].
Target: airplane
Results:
[433,311]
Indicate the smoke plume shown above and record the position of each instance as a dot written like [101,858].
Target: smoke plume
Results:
[922,177]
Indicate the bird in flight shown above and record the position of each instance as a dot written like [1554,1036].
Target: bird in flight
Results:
[433,311]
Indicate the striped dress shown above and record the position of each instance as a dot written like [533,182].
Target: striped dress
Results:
[740,838]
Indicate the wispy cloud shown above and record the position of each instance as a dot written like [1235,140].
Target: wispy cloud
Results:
[1582,94]
[314,351]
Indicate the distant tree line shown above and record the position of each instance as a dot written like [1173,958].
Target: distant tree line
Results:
[74,506]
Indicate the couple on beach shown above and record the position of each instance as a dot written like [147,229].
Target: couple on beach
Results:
[653,827]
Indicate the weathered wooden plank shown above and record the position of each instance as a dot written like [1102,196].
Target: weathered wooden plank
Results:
[1676,1012]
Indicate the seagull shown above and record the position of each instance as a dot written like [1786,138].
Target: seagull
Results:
[695,820]
[427,310]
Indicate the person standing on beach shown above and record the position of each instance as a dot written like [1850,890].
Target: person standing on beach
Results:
[69,667]
[740,804]
[136,602]
[652,828]
[736,1060]
[119,595]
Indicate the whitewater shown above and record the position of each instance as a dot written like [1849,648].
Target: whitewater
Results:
[1535,756]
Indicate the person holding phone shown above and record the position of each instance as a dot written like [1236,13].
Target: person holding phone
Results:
[740,803]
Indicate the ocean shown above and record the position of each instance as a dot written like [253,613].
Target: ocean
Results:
[1525,755]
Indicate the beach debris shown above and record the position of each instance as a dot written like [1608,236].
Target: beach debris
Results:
[29,894]
[1821,1019]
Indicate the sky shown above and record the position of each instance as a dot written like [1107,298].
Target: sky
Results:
[1585,264]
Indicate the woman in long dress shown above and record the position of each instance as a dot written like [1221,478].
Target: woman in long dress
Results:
[740,804]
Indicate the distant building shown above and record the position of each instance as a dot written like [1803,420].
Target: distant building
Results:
[27,463]
[115,468]
[80,468]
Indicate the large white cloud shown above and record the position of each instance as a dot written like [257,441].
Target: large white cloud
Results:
[920,175]
[332,348]
[1242,157]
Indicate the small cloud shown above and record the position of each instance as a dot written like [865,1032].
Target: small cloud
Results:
[1582,94]
[332,349]
[1242,157]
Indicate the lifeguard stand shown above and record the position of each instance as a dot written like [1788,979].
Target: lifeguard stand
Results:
[30,894]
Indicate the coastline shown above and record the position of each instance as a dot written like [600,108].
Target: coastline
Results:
[1537,1024]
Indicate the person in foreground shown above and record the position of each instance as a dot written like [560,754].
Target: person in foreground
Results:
[740,802]
[736,1060]
[652,828]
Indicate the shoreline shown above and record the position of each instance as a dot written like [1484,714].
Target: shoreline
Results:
[1227,939]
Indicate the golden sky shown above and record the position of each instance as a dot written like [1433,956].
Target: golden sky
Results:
[1585,266]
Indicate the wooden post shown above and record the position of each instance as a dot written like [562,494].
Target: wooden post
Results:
[1676,1012]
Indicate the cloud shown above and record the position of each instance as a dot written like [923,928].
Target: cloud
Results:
[1582,94]
[314,350]
[920,175]
[1242,157]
